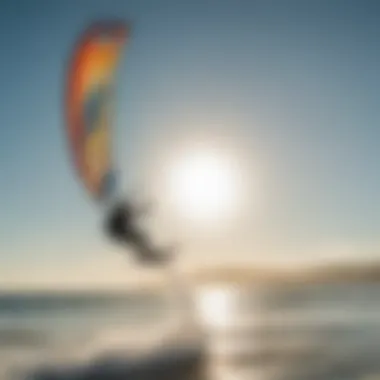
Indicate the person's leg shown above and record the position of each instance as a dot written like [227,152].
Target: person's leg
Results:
[141,241]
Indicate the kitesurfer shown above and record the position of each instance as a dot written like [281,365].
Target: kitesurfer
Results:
[121,226]
[91,76]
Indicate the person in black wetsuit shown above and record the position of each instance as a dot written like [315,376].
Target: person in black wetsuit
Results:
[121,226]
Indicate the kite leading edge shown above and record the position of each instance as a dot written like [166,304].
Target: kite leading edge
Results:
[89,88]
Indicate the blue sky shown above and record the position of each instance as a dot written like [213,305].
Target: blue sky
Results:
[298,81]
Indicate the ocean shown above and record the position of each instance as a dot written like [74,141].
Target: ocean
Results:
[308,331]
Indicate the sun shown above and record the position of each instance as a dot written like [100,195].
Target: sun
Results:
[203,185]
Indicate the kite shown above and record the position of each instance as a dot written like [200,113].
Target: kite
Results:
[88,105]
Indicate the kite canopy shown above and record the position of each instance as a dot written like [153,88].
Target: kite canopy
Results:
[90,80]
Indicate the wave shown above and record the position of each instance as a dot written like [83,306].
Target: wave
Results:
[110,359]
[23,337]
[164,363]
[27,353]
[14,304]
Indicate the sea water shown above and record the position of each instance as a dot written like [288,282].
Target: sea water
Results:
[36,328]
[325,331]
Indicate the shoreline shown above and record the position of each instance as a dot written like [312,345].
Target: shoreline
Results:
[218,275]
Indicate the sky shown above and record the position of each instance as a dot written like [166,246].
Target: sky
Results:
[293,86]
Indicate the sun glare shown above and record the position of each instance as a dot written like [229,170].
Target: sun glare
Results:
[203,186]
[213,307]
